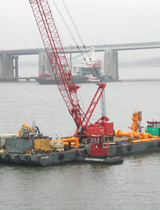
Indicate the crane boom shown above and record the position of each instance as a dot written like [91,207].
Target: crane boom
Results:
[55,52]
[63,75]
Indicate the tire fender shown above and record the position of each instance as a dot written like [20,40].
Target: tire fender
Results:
[26,158]
[17,158]
[7,157]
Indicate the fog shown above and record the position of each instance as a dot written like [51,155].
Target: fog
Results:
[98,22]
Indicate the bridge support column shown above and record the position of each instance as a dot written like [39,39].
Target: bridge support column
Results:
[111,64]
[44,64]
[15,65]
[8,63]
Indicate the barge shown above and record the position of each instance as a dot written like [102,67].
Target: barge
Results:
[117,151]
[52,81]
[30,147]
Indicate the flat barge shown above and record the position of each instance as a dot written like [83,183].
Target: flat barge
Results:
[32,148]
[47,159]
[117,150]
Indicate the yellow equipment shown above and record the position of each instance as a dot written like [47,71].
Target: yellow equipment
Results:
[70,140]
[28,131]
[25,127]
[27,151]
[43,144]
[137,117]
[135,135]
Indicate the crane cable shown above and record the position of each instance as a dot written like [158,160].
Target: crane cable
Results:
[68,29]
[79,37]
[76,29]
[82,54]
[72,34]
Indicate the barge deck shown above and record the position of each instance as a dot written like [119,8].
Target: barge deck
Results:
[117,150]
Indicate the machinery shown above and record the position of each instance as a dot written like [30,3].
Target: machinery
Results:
[99,148]
[136,135]
[64,78]
[70,141]
[28,131]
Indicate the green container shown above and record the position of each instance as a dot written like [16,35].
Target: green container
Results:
[153,130]
[19,145]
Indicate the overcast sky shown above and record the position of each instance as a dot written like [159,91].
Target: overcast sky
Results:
[98,22]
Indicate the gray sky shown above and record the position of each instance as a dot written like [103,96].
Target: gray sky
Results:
[98,21]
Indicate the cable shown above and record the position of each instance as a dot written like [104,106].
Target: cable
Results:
[76,29]
[68,29]
[86,52]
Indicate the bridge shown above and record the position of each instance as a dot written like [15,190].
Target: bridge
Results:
[9,58]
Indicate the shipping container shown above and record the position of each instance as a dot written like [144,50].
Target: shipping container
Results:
[3,139]
[19,145]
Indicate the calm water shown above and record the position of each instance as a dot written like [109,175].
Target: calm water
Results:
[132,185]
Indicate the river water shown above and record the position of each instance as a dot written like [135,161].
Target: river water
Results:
[132,185]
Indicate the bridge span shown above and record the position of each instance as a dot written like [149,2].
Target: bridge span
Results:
[9,58]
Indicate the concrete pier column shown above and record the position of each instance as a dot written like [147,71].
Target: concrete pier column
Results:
[0,66]
[15,65]
[111,64]
[6,66]
[44,64]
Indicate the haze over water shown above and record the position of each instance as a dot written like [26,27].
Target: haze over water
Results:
[132,185]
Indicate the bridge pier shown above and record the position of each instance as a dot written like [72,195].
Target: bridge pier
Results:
[15,66]
[8,66]
[111,64]
[44,64]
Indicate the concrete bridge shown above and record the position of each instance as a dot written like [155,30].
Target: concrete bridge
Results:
[9,58]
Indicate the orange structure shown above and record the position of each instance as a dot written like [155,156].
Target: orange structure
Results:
[136,135]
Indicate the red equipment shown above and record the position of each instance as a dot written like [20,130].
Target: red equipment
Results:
[99,148]
[62,73]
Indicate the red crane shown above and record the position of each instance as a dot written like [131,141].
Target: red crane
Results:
[63,75]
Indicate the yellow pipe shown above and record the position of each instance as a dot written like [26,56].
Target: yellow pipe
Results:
[141,137]
[144,140]
[131,134]
[70,139]
[147,135]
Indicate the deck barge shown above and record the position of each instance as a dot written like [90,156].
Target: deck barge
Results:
[116,149]
[46,159]
[32,148]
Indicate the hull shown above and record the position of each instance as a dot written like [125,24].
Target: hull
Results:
[44,81]
[127,149]
[47,159]
[116,152]
[77,80]
[106,161]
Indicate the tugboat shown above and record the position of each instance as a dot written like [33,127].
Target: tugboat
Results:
[99,153]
